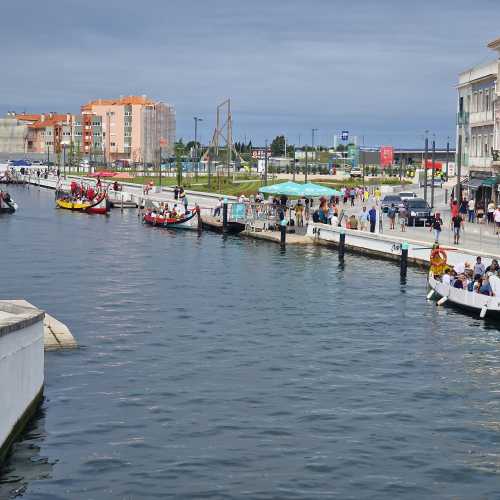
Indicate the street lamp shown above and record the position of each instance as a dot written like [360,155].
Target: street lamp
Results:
[196,120]
[313,131]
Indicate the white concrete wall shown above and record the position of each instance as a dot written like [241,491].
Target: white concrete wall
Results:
[388,245]
[21,374]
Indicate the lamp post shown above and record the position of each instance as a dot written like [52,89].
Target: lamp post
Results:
[265,165]
[196,120]
[313,131]
[432,173]
[426,154]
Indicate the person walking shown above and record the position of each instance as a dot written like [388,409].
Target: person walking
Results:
[437,225]
[391,214]
[403,217]
[353,196]
[471,207]
[176,192]
[496,218]
[185,201]
[457,224]
[372,214]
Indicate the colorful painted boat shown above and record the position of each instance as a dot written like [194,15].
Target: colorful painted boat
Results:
[185,221]
[99,205]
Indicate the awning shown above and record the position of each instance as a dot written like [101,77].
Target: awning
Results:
[490,182]
[475,183]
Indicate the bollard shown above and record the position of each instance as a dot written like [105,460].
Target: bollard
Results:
[283,224]
[404,259]
[198,216]
[342,244]
[224,215]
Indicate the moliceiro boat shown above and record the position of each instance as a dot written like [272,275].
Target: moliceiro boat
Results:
[98,205]
[473,301]
[184,221]
[7,204]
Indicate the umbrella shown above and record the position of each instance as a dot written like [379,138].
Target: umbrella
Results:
[284,188]
[316,190]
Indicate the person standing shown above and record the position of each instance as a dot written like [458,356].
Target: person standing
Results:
[353,196]
[496,218]
[391,214]
[403,217]
[372,214]
[176,192]
[185,201]
[491,211]
[437,225]
[364,219]
[456,222]
[378,195]
[471,207]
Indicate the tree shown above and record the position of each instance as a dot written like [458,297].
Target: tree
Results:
[178,163]
[278,146]
[341,147]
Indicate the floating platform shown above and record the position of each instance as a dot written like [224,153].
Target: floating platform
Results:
[56,335]
[211,223]
[291,238]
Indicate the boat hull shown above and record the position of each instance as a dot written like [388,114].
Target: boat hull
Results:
[470,301]
[99,206]
[188,222]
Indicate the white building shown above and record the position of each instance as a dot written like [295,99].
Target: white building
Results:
[478,125]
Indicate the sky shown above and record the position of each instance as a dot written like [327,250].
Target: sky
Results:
[385,70]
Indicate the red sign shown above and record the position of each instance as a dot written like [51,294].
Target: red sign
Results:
[386,156]
[163,142]
[437,165]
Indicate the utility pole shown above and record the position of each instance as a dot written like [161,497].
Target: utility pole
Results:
[426,154]
[265,165]
[432,173]
[313,131]
[447,156]
[196,120]
[458,160]
[307,165]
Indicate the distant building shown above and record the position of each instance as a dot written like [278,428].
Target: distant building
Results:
[13,134]
[129,128]
[478,126]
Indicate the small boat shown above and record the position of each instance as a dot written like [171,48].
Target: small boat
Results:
[473,301]
[7,204]
[99,205]
[184,221]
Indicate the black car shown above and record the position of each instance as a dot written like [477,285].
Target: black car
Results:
[419,211]
[389,200]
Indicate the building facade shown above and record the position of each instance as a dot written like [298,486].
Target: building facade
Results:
[478,127]
[129,128]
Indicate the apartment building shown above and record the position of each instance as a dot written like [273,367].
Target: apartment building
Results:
[129,128]
[478,126]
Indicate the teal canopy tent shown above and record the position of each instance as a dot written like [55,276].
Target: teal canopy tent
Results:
[284,188]
[293,189]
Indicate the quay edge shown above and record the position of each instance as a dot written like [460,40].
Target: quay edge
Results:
[21,370]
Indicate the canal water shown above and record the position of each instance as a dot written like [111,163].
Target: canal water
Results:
[223,368]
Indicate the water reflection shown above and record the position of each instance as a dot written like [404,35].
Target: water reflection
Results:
[26,463]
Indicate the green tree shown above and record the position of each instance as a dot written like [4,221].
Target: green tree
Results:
[278,146]
[178,163]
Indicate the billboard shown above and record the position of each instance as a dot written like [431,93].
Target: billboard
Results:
[353,154]
[437,165]
[386,156]
[345,135]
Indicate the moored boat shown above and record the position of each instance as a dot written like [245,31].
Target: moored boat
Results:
[184,221]
[7,204]
[99,205]
[472,301]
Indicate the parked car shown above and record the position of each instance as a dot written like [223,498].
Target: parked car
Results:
[356,172]
[406,195]
[419,212]
[389,200]
[438,182]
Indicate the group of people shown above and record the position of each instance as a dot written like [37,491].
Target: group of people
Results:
[166,212]
[475,278]
[83,193]
[478,212]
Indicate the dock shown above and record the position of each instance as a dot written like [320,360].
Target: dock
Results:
[56,335]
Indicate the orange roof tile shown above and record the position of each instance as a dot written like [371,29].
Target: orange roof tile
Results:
[28,118]
[49,122]
[122,101]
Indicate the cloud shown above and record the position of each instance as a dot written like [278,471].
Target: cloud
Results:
[386,70]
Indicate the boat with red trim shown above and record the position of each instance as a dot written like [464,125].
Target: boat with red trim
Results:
[98,205]
[179,221]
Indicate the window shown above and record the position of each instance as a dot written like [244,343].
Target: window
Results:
[113,144]
[479,145]
[473,148]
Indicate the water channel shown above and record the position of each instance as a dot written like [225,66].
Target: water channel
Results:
[224,368]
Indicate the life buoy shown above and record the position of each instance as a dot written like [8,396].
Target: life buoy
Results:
[438,261]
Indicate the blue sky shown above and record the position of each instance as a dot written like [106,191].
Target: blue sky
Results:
[385,70]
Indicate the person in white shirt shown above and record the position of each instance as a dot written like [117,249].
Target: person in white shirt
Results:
[496,217]
[471,207]
[447,277]
[490,211]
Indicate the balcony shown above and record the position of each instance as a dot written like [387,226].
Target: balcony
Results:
[482,118]
[462,118]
